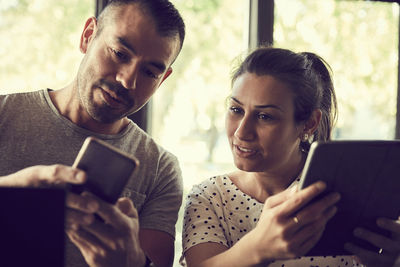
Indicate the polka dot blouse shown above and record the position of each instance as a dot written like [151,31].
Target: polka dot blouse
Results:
[217,211]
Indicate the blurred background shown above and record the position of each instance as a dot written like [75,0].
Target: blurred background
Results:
[360,40]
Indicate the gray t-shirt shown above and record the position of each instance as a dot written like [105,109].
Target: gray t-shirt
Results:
[32,132]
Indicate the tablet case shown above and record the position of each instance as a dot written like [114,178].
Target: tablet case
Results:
[367,175]
[32,226]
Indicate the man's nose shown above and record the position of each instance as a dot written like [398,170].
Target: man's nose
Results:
[127,75]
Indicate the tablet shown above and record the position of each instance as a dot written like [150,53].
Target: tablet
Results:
[32,226]
[108,169]
[367,175]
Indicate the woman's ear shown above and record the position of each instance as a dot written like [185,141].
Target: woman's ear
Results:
[89,32]
[312,123]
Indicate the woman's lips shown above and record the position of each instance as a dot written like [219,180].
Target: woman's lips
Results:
[244,152]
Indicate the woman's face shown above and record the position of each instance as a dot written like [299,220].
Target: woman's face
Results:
[260,125]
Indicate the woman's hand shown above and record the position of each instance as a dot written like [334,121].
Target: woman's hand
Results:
[388,255]
[291,224]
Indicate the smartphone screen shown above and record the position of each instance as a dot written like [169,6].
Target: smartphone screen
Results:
[107,167]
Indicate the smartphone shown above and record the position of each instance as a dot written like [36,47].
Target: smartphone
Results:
[108,169]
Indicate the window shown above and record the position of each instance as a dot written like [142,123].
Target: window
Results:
[39,44]
[359,39]
[188,109]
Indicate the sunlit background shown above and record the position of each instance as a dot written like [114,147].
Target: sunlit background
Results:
[39,49]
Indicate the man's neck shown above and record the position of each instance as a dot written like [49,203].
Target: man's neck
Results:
[68,105]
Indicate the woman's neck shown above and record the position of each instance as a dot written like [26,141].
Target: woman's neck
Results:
[261,185]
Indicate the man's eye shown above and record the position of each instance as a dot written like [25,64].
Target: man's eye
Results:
[149,73]
[119,54]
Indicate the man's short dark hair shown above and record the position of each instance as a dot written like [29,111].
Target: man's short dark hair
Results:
[168,21]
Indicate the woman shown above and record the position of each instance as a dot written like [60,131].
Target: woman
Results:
[281,101]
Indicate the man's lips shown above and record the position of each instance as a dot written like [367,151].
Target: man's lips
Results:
[111,98]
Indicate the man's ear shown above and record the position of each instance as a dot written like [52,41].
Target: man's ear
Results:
[312,124]
[169,71]
[89,32]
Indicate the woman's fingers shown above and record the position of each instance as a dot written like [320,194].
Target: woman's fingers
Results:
[391,225]
[302,198]
[380,241]
[389,245]
[370,258]
[279,198]
[321,209]
[295,198]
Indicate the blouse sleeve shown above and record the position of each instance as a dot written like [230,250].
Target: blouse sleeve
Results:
[203,217]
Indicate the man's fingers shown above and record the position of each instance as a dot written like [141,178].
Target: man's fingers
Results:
[59,174]
[89,245]
[126,206]
[106,234]
[74,219]
[84,202]
[43,176]
[108,212]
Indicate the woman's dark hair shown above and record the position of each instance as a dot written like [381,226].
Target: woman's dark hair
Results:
[309,78]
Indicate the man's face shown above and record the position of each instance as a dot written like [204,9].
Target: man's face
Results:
[124,64]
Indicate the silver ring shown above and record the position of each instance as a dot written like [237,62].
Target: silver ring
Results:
[380,251]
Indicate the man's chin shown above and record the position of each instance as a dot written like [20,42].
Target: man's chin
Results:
[107,118]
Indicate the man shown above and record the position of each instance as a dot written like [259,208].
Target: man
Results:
[128,53]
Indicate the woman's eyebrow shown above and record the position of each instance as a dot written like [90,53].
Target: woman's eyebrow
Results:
[259,106]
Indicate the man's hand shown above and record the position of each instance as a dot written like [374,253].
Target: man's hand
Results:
[112,241]
[44,176]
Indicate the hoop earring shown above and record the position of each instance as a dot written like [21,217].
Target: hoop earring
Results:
[305,137]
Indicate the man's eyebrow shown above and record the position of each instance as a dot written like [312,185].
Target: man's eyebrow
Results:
[159,65]
[258,106]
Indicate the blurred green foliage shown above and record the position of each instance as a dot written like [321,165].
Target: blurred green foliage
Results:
[39,44]
[359,39]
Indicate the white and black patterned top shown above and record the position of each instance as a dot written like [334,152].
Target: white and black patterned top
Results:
[217,211]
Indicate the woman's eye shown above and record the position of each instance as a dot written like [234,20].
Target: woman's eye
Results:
[264,117]
[235,110]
